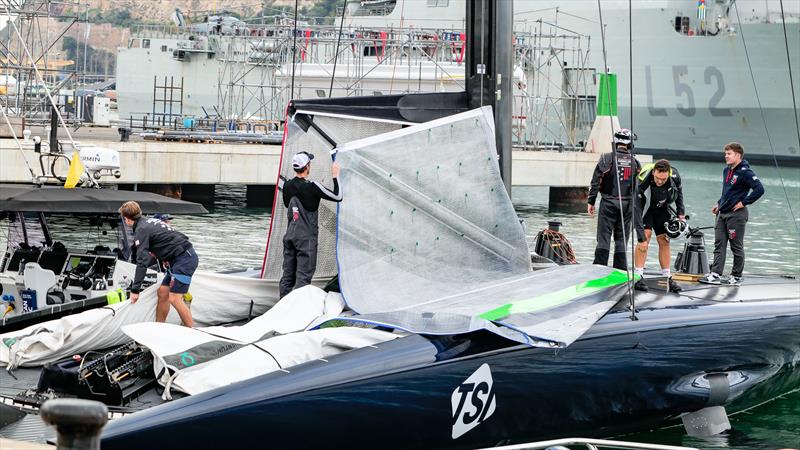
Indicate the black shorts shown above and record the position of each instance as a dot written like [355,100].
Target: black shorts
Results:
[655,218]
[180,271]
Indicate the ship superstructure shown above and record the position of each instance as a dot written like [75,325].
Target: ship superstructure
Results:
[692,88]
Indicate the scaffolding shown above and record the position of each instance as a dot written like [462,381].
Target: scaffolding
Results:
[261,67]
[31,30]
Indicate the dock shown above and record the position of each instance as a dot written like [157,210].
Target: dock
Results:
[191,170]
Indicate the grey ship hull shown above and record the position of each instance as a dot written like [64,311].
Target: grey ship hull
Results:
[691,94]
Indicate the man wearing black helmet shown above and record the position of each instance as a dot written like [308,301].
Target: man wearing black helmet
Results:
[659,187]
[301,197]
[614,177]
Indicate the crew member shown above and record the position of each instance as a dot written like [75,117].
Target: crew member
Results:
[659,188]
[615,181]
[154,238]
[740,187]
[301,197]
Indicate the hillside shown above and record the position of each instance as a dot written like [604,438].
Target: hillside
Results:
[127,12]
[112,21]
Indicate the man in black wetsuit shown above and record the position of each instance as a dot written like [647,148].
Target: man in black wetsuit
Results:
[154,238]
[615,181]
[302,196]
[659,188]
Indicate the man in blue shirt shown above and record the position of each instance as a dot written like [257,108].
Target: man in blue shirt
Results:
[740,187]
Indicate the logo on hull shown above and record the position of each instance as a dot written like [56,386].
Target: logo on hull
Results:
[473,401]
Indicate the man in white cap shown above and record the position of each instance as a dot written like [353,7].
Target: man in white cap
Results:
[301,197]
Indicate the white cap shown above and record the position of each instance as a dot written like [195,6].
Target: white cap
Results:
[301,159]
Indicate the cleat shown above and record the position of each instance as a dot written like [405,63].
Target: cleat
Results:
[673,286]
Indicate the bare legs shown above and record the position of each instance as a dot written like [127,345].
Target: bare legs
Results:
[167,298]
[663,250]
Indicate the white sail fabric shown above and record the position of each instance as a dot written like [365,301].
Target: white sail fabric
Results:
[97,328]
[429,242]
[546,308]
[217,299]
[297,139]
[424,214]
[197,360]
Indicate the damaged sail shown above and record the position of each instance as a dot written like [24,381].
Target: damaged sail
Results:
[428,241]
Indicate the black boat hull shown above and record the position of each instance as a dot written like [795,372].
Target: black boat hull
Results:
[622,376]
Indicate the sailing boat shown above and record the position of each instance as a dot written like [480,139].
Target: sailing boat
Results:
[489,352]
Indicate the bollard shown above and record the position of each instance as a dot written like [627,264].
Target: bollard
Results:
[78,422]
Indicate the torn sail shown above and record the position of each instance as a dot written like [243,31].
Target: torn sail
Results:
[428,241]
[424,213]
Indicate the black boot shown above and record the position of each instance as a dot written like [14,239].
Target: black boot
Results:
[601,256]
[620,261]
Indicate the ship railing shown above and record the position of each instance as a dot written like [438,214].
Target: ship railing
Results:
[161,122]
[589,444]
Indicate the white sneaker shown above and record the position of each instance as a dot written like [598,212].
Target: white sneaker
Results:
[733,280]
[711,278]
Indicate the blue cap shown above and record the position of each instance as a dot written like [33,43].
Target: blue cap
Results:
[162,217]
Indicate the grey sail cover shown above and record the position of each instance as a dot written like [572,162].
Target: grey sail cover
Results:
[429,241]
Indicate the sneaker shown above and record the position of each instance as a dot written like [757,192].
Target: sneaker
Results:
[711,278]
[640,285]
[673,286]
[733,280]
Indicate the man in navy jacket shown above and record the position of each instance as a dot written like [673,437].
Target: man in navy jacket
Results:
[740,187]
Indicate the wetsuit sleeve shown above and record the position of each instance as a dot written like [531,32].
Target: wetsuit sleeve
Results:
[756,188]
[142,238]
[597,178]
[327,194]
[641,201]
[679,206]
[641,188]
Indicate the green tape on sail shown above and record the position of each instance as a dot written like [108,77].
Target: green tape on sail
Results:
[607,95]
[557,298]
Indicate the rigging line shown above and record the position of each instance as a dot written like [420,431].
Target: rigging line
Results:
[791,78]
[483,46]
[49,95]
[294,49]
[628,274]
[410,40]
[336,52]
[16,141]
[634,187]
[764,119]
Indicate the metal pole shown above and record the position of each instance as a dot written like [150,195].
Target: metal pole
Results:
[503,35]
[488,70]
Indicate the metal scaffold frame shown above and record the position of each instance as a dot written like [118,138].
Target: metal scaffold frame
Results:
[554,88]
[31,47]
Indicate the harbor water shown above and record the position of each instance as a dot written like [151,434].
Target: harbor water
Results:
[233,236]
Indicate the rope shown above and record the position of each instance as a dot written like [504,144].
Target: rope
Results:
[616,163]
[47,91]
[294,49]
[336,53]
[761,108]
[19,144]
[561,246]
[399,49]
